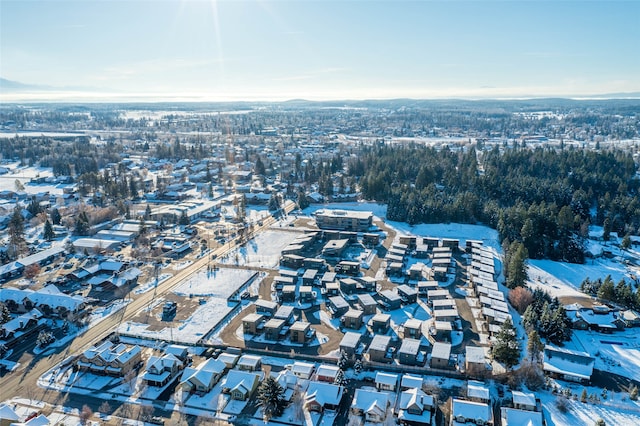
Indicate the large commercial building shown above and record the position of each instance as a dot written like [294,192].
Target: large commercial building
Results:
[344,220]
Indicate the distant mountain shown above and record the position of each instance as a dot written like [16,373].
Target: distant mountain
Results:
[16,86]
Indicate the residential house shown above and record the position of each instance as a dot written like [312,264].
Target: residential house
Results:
[372,405]
[464,412]
[303,370]
[337,306]
[367,304]
[413,328]
[285,313]
[516,417]
[327,373]
[352,319]
[386,381]
[252,324]
[110,359]
[240,384]
[440,355]
[415,407]
[229,359]
[568,364]
[478,391]
[379,349]
[407,294]
[307,294]
[301,332]
[273,329]
[161,370]
[22,325]
[348,285]
[288,293]
[524,401]
[322,396]
[409,382]
[348,268]
[380,323]
[350,343]
[249,363]
[309,277]
[474,362]
[409,352]
[202,378]
[266,307]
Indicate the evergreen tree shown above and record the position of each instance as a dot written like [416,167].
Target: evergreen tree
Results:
[48,231]
[517,266]
[302,200]
[82,224]
[17,243]
[271,398]
[147,212]
[5,315]
[626,242]
[259,168]
[506,348]
[607,290]
[534,345]
[184,219]
[55,216]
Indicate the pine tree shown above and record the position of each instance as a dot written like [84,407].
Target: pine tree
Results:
[534,345]
[271,398]
[517,266]
[17,243]
[5,315]
[48,231]
[584,395]
[56,217]
[506,348]
[607,290]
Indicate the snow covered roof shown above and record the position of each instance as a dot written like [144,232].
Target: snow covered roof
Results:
[409,347]
[324,393]
[463,411]
[441,350]
[7,413]
[350,339]
[477,390]
[409,381]
[386,379]
[302,368]
[49,296]
[364,399]
[568,362]
[515,417]
[522,398]
[475,354]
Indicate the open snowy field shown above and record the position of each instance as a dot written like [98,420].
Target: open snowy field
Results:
[563,279]
[221,283]
[205,318]
[459,231]
[262,251]
[613,411]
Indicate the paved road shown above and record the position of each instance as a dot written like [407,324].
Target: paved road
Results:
[23,382]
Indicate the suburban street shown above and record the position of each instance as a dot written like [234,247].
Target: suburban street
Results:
[23,381]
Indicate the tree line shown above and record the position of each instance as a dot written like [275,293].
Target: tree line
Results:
[544,198]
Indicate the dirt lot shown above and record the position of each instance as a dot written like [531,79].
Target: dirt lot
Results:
[153,317]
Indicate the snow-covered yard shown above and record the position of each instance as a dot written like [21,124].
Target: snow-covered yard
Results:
[263,250]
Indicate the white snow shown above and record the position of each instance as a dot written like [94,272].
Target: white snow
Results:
[220,283]
[261,251]
[563,279]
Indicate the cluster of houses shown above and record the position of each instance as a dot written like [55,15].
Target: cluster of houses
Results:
[276,323]
[490,303]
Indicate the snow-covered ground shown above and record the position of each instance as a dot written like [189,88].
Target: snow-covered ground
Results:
[458,231]
[221,283]
[215,287]
[262,251]
[617,409]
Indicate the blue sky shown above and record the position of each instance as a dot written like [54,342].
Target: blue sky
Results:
[219,50]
